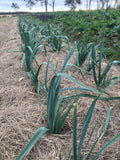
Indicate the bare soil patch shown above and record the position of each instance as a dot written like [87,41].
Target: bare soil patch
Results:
[22,112]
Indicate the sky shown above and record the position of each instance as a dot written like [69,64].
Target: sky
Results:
[5,6]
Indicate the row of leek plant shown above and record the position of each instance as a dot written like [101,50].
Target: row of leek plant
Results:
[35,38]
[31,45]
[51,34]
[79,152]
[54,38]
[57,115]
[88,53]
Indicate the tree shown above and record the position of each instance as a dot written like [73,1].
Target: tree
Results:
[105,4]
[89,4]
[45,2]
[15,6]
[78,2]
[31,3]
[102,3]
[117,3]
[53,4]
[72,3]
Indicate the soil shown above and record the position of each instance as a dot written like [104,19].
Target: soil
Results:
[22,112]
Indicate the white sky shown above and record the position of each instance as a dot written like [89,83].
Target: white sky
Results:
[5,6]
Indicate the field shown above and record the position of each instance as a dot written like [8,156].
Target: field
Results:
[25,93]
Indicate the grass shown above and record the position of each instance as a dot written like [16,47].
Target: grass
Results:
[3,19]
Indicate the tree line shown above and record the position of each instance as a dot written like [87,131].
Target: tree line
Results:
[101,4]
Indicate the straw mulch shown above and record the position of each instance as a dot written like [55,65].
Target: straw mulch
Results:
[22,112]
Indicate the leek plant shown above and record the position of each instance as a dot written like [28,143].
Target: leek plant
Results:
[89,59]
[54,38]
[55,115]
[78,151]
[48,29]
[32,44]
[33,74]
[82,52]
[30,38]
[102,79]
[55,42]
[27,37]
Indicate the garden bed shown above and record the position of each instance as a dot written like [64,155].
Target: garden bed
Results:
[22,112]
